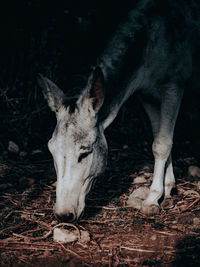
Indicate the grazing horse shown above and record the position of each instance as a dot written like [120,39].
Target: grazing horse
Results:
[155,53]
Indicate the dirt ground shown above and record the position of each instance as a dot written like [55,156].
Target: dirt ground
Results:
[119,235]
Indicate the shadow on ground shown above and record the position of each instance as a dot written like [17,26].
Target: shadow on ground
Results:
[188,252]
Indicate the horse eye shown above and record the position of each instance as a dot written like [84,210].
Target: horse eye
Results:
[85,147]
[83,155]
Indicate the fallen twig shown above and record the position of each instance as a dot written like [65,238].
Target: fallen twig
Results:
[25,248]
[138,249]
[11,242]
[70,251]
[10,228]
[28,218]
[34,238]
[29,212]
[191,205]
[165,233]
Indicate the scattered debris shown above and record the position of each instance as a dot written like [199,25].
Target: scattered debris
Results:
[139,180]
[194,171]
[13,147]
[196,221]
[64,236]
[108,234]
[85,236]
[191,193]
[153,237]
[137,196]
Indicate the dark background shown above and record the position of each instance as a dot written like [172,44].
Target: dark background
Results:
[62,39]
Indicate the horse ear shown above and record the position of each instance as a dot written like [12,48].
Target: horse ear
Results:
[93,96]
[52,93]
[96,89]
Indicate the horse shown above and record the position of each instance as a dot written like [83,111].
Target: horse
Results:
[154,52]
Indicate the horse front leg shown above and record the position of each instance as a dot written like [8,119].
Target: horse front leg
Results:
[161,148]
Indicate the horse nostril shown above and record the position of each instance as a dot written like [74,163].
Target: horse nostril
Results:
[67,217]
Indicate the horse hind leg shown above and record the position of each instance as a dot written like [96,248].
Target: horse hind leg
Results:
[169,184]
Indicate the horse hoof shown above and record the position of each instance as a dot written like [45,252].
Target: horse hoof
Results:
[150,209]
[168,203]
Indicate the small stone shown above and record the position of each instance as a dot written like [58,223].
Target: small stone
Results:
[13,147]
[153,237]
[125,146]
[85,236]
[136,198]
[64,236]
[141,193]
[139,180]
[135,203]
[194,171]
[196,221]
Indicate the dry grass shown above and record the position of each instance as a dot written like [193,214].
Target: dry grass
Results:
[119,235]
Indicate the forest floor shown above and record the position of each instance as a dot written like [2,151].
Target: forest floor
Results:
[118,235]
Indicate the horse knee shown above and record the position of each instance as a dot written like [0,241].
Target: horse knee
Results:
[162,147]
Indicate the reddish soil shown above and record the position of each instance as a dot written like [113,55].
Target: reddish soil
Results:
[119,236]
